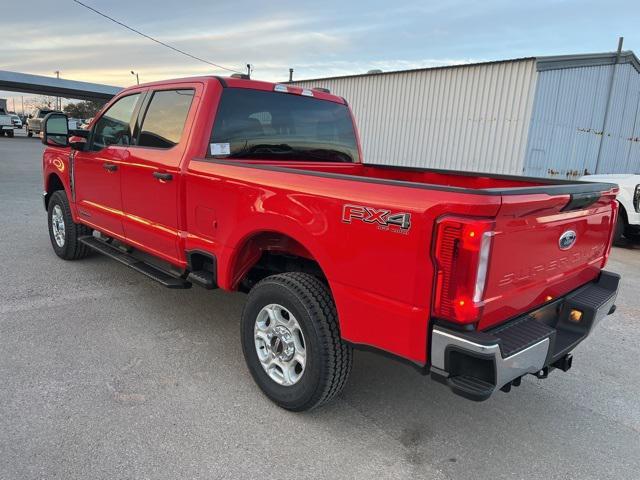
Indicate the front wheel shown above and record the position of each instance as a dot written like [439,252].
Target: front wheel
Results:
[291,341]
[29,133]
[10,133]
[63,231]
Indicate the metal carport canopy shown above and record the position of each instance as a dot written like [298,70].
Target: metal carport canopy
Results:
[59,87]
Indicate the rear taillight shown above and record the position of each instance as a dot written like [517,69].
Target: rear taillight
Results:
[461,252]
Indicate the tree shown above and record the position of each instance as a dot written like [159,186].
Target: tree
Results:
[85,109]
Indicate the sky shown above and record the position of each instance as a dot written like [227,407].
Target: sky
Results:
[315,38]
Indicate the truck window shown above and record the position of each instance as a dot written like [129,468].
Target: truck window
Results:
[281,126]
[115,127]
[164,121]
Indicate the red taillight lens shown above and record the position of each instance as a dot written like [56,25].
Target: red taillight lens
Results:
[462,256]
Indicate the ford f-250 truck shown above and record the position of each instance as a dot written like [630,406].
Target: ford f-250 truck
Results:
[258,187]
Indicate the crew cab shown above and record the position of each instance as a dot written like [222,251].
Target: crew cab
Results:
[243,185]
[628,224]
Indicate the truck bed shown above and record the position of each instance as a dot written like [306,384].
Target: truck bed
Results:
[437,179]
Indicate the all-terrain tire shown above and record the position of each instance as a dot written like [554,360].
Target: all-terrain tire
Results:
[67,245]
[329,358]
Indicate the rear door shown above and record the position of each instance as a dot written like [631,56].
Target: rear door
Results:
[96,171]
[543,248]
[151,180]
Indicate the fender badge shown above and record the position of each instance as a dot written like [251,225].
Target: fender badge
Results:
[384,219]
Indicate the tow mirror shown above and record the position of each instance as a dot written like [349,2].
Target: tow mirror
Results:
[77,142]
[55,130]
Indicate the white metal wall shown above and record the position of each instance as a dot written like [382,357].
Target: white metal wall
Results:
[567,126]
[472,117]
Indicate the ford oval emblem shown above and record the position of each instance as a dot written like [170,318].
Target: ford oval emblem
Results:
[567,239]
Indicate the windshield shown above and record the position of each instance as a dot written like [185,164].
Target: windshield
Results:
[269,125]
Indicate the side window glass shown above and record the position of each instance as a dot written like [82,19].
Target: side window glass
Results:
[114,126]
[164,121]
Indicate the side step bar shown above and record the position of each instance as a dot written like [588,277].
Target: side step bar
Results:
[161,276]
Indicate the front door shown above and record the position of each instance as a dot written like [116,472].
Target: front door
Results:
[96,171]
[151,175]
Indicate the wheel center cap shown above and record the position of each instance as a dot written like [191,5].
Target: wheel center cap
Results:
[281,343]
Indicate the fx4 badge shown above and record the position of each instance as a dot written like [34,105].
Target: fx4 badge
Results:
[384,219]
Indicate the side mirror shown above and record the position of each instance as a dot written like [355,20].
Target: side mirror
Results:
[55,130]
[78,142]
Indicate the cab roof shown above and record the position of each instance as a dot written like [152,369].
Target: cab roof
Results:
[232,82]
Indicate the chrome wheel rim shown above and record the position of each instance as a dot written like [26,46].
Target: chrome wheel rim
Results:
[280,345]
[57,225]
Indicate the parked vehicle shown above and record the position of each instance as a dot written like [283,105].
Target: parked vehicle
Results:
[628,224]
[17,123]
[6,123]
[74,123]
[248,186]
[85,123]
[34,123]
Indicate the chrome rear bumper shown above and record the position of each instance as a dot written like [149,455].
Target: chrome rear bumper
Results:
[473,364]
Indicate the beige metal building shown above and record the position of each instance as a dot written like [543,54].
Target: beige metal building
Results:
[544,116]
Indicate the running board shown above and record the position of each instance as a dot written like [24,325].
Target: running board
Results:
[161,276]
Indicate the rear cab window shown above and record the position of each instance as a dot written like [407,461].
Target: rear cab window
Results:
[164,119]
[257,124]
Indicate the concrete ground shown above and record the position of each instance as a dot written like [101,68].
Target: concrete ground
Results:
[106,374]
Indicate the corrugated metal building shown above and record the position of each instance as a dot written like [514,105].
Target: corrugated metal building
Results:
[543,116]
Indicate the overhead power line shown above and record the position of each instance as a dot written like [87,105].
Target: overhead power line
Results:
[154,39]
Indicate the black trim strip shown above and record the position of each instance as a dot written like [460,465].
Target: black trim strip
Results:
[579,201]
[222,81]
[551,187]
[551,182]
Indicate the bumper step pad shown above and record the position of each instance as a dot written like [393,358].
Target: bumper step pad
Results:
[470,387]
[520,334]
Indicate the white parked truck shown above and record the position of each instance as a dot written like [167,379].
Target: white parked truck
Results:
[6,122]
[628,226]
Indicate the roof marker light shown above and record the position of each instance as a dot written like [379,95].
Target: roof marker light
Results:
[281,88]
[307,93]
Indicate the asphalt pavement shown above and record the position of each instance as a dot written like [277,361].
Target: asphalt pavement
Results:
[105,374]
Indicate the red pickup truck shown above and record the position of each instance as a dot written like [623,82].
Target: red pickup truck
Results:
[251,186]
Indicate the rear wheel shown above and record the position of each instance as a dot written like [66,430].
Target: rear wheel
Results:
[63,231]
[29,133]
[10,133]
[291,341]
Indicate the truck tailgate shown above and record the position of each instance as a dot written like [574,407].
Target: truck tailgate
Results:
[545,246]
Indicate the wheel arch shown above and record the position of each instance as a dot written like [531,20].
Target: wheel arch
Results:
[267,252]
[622,212]
[53,184]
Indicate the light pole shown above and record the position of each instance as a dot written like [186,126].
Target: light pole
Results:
[58,106]
[137,79]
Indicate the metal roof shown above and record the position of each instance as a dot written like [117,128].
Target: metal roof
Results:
[39,84]
[558,62]
[542,63]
